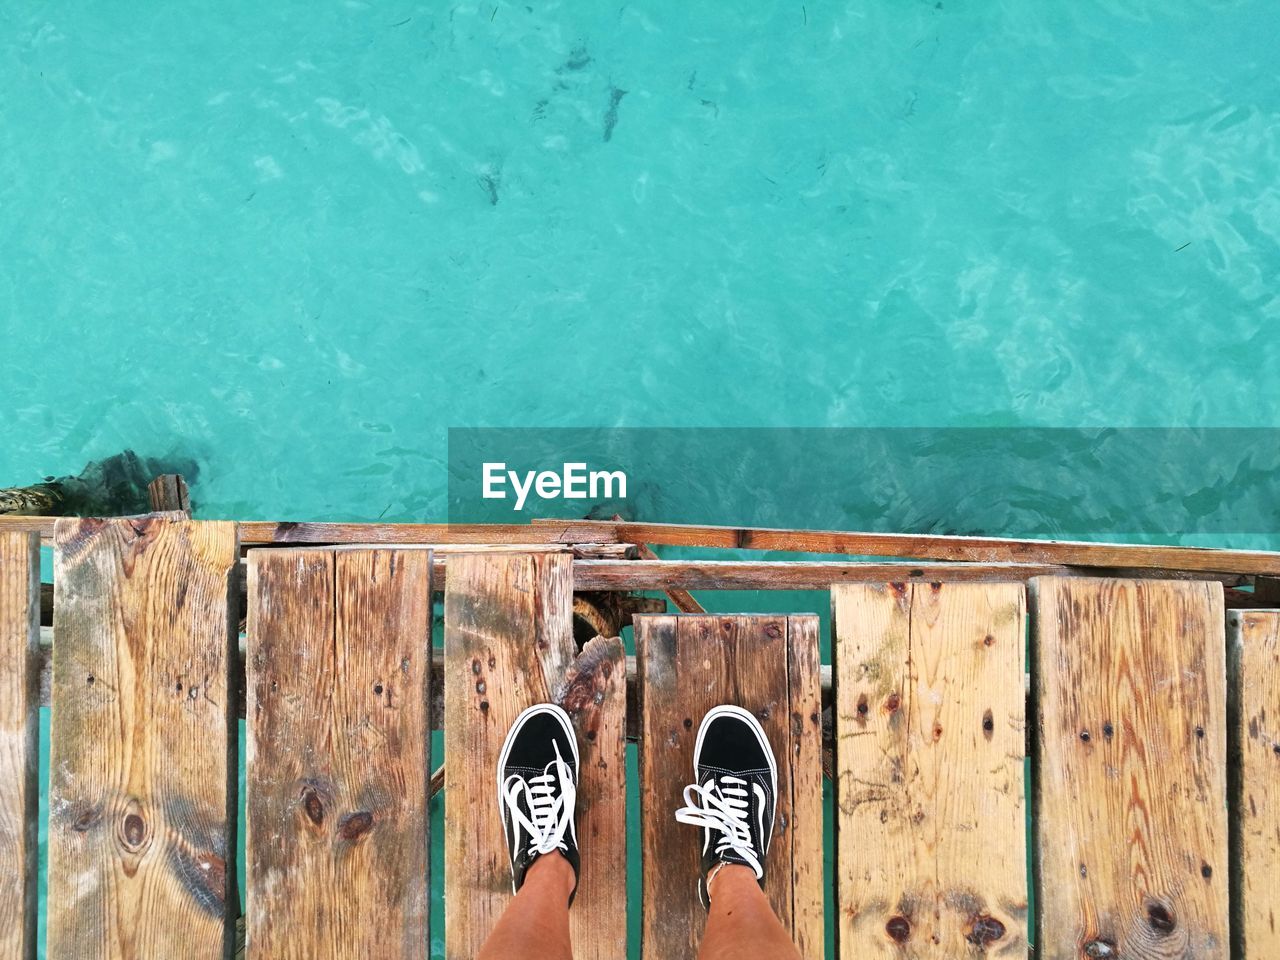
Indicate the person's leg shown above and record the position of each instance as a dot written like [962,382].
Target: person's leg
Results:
[733,798]
[741,923]
[535,925]
[537,794]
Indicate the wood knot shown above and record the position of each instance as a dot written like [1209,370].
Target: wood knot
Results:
[355,825]
[133,831]
[1160,918]
[313,805]
[893,703]
[989,641]
[898,929]
[985,931]
[988,724]
[86,819]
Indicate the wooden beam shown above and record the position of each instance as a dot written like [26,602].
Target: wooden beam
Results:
[952,548]
[1102,556]
[339,667]
[1130,778]
[785,574]
[19,741]
[931,721]
[258,533]
[1253,654]
[142,782]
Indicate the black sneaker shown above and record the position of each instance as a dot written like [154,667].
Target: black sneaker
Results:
[537,787]
[735,793]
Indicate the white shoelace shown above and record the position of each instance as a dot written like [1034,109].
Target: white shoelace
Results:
[723,806]
[550,797]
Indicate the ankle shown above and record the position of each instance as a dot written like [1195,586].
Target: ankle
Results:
[553,872]
[731,879]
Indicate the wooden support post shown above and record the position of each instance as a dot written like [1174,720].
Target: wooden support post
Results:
[168,492]
[19,741]
[930,729]
[141,798]
[1253,649]
[338,671]
[509,644]
[1131,772]
[769,665]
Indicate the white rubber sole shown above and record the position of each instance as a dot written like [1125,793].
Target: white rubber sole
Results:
[730,710]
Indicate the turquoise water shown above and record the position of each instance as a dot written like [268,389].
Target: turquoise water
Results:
[298,241]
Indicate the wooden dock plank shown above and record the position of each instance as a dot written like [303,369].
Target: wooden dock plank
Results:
[338,674]
[19,741]
[1254,658]
[508,645]
[141,829]
[594,694]
[1131,772]
[689,664]
[930,728]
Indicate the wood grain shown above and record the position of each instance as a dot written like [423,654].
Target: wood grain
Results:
[1102,556]
[141,832]
[689,664]
[508,645]
[804,691]
[1254,656]
[930,731]
[938,547]
[594,693]
[338,674]
[19,741]
[1131,771]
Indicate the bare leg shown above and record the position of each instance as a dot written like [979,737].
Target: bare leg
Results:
[742,925]
[535,925]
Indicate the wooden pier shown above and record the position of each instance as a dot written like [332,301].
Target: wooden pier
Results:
[1141,683]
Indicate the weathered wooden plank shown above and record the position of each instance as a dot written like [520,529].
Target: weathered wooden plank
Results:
[1115,556]
[338,674]
[141,828]
[940,547]
[508,645]
[594,694]
[1254,737]
[804,692]
[689,664]
[1131,771]
[19,741]
[930,731]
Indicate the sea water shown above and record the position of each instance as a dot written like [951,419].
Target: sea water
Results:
[296,242]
